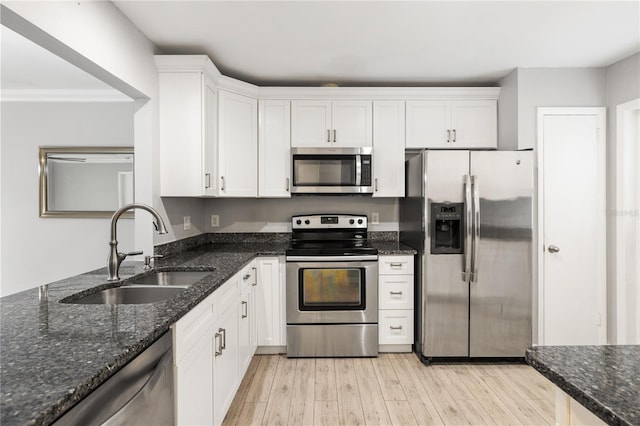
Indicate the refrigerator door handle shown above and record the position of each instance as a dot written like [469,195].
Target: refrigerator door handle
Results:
[476,229]
[468,219]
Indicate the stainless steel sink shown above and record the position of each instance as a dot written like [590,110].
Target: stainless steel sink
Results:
[171,278]
[152,288]
[127,295]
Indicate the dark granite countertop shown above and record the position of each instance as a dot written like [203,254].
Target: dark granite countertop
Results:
[605,379]
[54,354]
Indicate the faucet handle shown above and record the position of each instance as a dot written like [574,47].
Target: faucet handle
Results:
[147,260]
[134,253]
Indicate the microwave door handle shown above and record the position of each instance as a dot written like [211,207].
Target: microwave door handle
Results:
[358,169]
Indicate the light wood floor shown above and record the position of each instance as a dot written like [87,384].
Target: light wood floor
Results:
[393,389]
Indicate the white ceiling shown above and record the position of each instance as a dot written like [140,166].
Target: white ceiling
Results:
[389,42]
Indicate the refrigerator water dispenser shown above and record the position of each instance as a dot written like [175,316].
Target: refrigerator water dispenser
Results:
[447,228]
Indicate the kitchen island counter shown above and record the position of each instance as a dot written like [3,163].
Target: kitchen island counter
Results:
[54,354]
[604,379]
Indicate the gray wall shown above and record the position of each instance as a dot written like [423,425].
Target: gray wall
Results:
[273,215]
[36,250]
[543,87]
[623,85]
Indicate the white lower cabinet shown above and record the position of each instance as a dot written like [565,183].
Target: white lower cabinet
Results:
[395,303]
[226,378]
[194,384]
[270,296]
[213,346]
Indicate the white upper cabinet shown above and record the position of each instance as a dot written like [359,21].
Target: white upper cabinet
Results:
[388,148]
[320,123]
[187,109]
[274,152]
[238,145]
[452,124]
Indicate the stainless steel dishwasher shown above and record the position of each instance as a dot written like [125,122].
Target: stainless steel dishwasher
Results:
[140,393]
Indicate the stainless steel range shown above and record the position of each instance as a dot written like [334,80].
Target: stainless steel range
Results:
[332,288]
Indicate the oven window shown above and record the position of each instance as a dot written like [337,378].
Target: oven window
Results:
[332,289]
[324,170]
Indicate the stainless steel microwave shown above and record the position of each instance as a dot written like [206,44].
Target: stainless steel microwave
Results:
[331,170]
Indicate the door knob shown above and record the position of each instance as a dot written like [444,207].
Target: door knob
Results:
[554,249]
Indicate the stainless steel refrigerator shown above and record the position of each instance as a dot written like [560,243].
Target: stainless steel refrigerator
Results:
[469,215]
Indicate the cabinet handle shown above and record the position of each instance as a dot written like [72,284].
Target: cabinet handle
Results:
[328,136]
[395,293]
[393,327]
[395,265]
[454,135]
[218,351]
[287,185]
[222,186]
[255,274]
[207,177]
[224,338]
[334,135]
[375,181]
[245,309]
[246,277]
[448,136]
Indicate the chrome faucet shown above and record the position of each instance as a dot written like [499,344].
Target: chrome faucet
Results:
[115,258]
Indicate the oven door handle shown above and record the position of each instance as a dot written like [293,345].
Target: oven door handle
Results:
[371,257]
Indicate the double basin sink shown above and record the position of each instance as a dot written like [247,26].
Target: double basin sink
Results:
[152,288]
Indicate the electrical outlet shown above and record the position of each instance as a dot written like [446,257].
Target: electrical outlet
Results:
[375,218]
[187,222]
[215,220]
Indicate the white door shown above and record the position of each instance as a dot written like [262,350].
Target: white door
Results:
[238,145]
[274,153]
[352,123]
[572,219]
[388,148]
[474,124]
[428,124]
[311,123]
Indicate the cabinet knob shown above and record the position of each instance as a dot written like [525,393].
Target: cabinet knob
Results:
[554,249]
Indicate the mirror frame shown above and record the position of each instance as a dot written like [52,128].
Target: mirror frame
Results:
[43,151]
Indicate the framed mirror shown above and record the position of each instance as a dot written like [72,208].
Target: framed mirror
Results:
[89,182]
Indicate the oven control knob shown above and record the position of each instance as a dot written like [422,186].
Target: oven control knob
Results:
[306,222]
[298,222]
[351,221]
[359,221]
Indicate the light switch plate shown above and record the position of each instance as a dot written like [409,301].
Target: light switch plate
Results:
[375,218]
[215,220]
[187,222]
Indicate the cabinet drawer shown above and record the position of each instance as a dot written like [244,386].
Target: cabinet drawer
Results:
[395,292]
[395,327]
[395,265]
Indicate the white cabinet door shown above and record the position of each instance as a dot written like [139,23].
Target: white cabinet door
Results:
[238,145]
[449,124]
[187,112]
[388,148]
[395,292]
[331,123]
[225,363]
[428,124]
[352,123]
[310,123]
[269,303]
[194,384]
[245,317]
[274,142]
[474,124]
